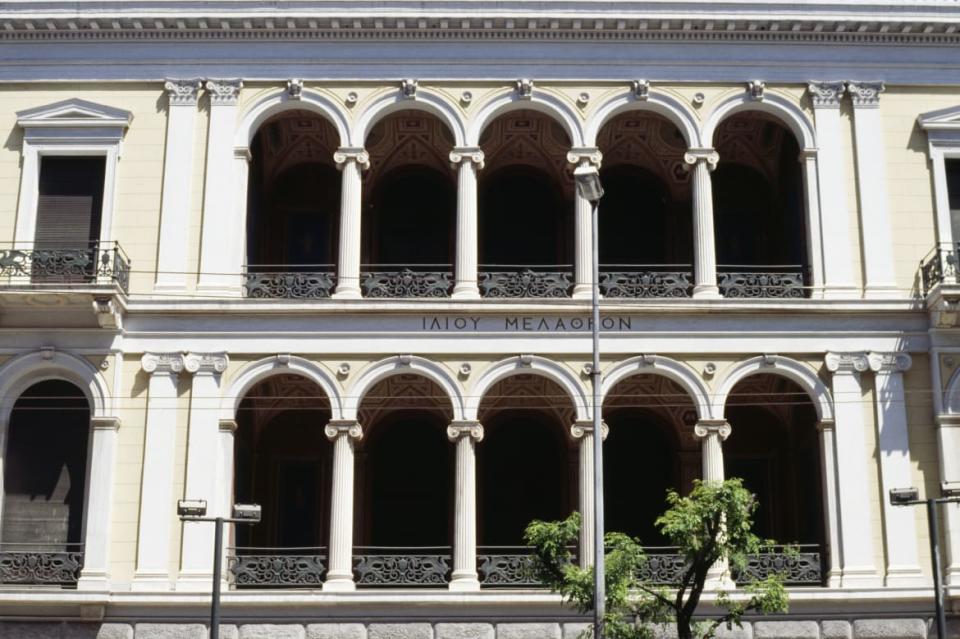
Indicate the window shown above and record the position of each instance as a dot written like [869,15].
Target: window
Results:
[69,202]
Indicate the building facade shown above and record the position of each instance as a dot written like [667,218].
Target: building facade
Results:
[330,259]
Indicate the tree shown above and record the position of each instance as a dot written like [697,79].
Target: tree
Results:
[713,526]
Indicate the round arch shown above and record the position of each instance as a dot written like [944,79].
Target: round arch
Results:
[424,101]
[23,371]
[523,364]
[669,368]
[257,371]
[661,104]
[278,102]
[404,364]
[785,111]
[793,370]
[540,101]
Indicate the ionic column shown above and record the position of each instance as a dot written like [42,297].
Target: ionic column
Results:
[831,177]
[713,432]
[157,502]
[856,522]
[220,256]
[340,572]
[96,538]
[468,161]
[583,226]
[351,161]
[583,431]
[831,509]
[948,444]
[203,452]
[177,183]
[876,237]
[900,531]
[702,162]
[464,576]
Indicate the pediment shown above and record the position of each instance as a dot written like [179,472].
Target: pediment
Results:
[941,119]
[74,113]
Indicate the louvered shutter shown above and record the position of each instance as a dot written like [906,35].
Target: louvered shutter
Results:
[69,202]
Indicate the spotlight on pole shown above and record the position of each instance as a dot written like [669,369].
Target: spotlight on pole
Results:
[588,183]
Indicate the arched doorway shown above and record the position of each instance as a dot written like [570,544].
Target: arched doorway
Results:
[758,208]
[293,208]
[410,208]
[44,485]
[525,202]
[646,247]
[405,484]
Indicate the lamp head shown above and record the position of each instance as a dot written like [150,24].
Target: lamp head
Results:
[192,507]
[247,512]
[950,488]
[588,183]
[903,496]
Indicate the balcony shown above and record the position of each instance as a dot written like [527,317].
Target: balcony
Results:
[406,280]
[525,281]
[646,280]
[775,281]
[286,281]
[100,264]
[939,267]
[497,567]
[40,564]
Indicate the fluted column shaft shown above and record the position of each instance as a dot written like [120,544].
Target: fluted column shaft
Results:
[702,162]
[468,161]
[583,226]
[340,572]
[583,431]
[350,161]
[465,435]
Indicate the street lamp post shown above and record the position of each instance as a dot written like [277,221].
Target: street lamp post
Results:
[911,497]
[196,510]
[588,185]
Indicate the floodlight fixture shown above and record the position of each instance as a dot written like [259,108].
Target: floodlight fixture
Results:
[190,508]
[588,183]
[904,496]
[950,489]
[248,513]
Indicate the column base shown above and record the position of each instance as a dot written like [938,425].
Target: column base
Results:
[882,292]
[707,292]
[194,583]
[93,582]
[840,292]
[151,582]
[464,583]
[339,584]
[170,287]
[906,577]
[860,578]
[951,577]
[345,292]
[466,291]
[582,292]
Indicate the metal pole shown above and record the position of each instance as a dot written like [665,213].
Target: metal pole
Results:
[215,599]
[935,559]
[599,597]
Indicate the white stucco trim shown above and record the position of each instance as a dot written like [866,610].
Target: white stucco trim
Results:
[659,103]
[528,364]
[279,101]
[676,371]
[244,379]
[394,101]
[801,374]
[396,365]
[540,100]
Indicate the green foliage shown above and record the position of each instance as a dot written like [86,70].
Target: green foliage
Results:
[711,526]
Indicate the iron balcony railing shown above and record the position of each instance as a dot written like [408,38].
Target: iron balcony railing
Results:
[40,564]
[939,266]
[646,280]
[761,281]
[288,281]
[94,263]
[406,280]
[525,281]
[497,566]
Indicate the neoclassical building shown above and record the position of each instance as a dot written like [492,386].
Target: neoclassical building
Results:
[328,258]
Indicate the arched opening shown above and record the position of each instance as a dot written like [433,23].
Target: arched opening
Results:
[405,483]
[526,468]
[410,208]
[525,204]
[774,447]
[44,485]
[293,208]
[758,208]
[283,460]
[646,226]
[650,449]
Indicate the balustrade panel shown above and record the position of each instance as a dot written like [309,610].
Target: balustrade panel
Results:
[95,263]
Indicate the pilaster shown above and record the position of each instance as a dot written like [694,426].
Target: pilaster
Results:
[702,162]
[351,161]
[96,541]
[583,226]
[465,435]
[948,444]
[831,508]
[467,160]
[340,572]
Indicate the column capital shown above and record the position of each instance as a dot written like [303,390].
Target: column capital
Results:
[164,363]
[206,363]
[182,92]
[847,362]
[352,154]
[467,154]
[105,423]
[826,95]
[228,426]
[468,428]
[707,427]
[224,92]
[889,362]
[694,155]
[865,94]
[583,427]
[826,425]
[349,427]
[585,155]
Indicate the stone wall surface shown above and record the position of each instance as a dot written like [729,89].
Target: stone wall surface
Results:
[784,629]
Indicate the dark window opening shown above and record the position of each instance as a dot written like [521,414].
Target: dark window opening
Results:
[70,201]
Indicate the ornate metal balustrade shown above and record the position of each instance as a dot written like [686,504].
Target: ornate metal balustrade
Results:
[785,282]
[30,566]
[506,567]
[399,567]
[663,567]
[642,280]
[428,280]
[939,267]
[804,567]
[525,281]
[98,263]
[277,567]
[314,281]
